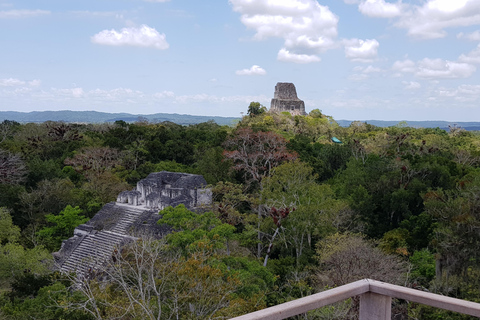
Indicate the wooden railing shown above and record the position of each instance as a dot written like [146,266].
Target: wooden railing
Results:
[375,301]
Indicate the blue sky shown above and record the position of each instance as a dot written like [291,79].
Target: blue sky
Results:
[352,59]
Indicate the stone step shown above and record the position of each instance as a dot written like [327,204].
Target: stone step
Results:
[126,219]
[96,249]
[93,250]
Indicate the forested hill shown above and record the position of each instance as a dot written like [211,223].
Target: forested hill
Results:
[469,126]
[184,119]
[100,117]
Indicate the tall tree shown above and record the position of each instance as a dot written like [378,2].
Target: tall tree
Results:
[313,207]
[256,154]
[12,168]
[255,108]
[14,258]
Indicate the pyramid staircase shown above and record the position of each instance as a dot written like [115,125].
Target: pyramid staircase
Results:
[97,247]
[92,252]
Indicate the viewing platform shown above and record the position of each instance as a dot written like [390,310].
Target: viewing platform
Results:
[375,301]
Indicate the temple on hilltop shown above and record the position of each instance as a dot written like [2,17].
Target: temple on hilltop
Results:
[285,99]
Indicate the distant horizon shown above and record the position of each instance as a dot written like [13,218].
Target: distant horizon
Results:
[226,117]
[352,59]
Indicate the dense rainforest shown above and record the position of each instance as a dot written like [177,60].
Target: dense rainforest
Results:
[300,205]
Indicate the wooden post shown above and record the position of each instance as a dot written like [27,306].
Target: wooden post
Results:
[375,306]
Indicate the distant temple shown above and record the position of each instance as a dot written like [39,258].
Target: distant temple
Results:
[285,99]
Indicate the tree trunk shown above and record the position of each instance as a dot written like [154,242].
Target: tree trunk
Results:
[270,247]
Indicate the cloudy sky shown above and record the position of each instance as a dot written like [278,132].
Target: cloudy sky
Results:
[352,59]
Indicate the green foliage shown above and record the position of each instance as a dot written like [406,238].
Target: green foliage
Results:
[255,108]
[213,166]
[39,170]
[71,174]
[192,228]
[315,113]
[8,231]
[62,226]
[423,270]
[312,207]
[52,302]
[420,231]
[231,203]
[254,277]
[412,192]
[9,196]
[395,242]
[15,260]
[325,159]
[28,284]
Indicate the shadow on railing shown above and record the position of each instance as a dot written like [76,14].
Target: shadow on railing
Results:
[375,301]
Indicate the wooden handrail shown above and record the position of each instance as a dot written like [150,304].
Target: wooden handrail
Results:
[427,298]
[372,294]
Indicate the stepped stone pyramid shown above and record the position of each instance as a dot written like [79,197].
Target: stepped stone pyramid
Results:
[285,99]
[133,215]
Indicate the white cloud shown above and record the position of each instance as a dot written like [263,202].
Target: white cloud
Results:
[254,70]
[304,25]
[35,83]
[23,13]
[406,66]
[120,95]
[380,9]
[473,36]
[427,20]
[411,85]
[472,57]
[361,50]
[446,6]
[10,82]
[430,20]
[164,94]
[443,69]
[144,36]
[469,89]
[72,92]
[371,69]
[203,97]
[363,73]
[462,93]
[99,14]
[77,92]
[287,56]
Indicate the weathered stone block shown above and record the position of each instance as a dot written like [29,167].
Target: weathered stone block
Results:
[285,99]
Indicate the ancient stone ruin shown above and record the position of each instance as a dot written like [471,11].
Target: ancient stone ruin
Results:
[133,215]
[285,99]
[162,189]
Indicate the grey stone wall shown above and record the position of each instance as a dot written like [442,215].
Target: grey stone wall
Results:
[161,189]
[285,99]
[285,90]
